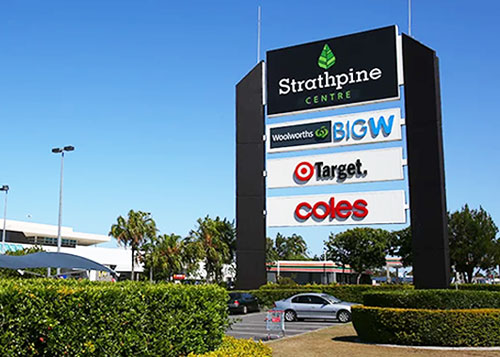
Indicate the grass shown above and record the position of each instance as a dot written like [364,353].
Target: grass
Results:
[341,340]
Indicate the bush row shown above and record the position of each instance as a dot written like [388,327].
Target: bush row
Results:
[56,318]
[232,347]
[487,287]
[479,327]
[434,299]
[269,293]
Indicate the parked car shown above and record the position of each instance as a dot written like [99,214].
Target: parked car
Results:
[242,303]
[315,306]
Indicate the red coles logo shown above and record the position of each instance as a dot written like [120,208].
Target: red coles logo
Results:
[342,210]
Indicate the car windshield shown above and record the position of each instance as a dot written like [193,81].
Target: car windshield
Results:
[330,298]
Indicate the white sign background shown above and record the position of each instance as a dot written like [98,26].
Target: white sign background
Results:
[380,165]
[383,207]
[346,120]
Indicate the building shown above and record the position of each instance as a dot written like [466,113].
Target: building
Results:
[308,271]
[20,235]
[319,272]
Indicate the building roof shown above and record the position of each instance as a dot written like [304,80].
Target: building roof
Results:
[51,260]
[30,229]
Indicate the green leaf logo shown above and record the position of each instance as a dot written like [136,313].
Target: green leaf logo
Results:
[321,133]
[327,58]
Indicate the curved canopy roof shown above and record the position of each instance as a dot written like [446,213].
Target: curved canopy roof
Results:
[51,260]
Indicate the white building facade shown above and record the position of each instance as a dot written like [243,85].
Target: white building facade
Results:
[20,235]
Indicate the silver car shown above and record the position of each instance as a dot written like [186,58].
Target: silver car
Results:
[315,306]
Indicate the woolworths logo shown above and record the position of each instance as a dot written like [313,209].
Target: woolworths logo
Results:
[327,58]
[302,134]
[321,133]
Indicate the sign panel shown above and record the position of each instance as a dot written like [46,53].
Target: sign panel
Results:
[377,207]
[336,72]
[330,169]
[340,130]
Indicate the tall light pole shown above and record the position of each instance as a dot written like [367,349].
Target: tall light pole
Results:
[59,223]
[6,189]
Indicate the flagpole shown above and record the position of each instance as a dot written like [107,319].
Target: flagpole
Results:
[258,34]
[409,17]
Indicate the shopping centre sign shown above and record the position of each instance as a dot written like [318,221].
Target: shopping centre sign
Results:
[376,207]
[356,69]
[341,130]
[336,168]
[340,71]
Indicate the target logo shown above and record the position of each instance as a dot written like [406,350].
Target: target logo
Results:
[304,171]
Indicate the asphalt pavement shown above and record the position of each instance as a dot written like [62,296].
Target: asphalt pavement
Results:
[253,325]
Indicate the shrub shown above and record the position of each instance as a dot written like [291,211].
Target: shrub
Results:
[269,293]
[285,280]
[487,287]
[232,347]
[433,299]
[479,327]
[54,318]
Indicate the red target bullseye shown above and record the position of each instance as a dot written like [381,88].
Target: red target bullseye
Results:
[304,171]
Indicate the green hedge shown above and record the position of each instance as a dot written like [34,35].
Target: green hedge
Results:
[479,327]
[483,287]
[57,318]
[232,347]
[434,299]
[269,293]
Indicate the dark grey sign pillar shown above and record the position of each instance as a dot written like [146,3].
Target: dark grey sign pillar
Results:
[250,181]
[429,219]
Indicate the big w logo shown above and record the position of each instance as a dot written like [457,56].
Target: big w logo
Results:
[359,128]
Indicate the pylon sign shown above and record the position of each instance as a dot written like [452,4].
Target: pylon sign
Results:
[351,70]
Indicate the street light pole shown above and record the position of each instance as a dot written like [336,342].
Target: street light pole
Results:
[6,189]
[59,222]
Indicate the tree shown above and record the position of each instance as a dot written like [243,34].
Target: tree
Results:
[401,245]
[473,241]
[164,255]
[214,238]
[227,232]
[133,232]
[271,253]
[290,248]
[360,248]
[192,253]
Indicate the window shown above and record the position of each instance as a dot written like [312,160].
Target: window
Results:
[318,301]
[303,299]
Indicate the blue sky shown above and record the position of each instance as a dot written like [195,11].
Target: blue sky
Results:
[145,92]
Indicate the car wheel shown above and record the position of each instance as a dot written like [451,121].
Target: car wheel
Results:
[290,316]
[245,310]
[344,316]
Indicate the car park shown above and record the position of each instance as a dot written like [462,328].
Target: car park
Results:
[242,303]
[315,306]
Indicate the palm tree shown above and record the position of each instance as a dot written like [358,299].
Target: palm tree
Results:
[166,256]
[211,235]
[133,231]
